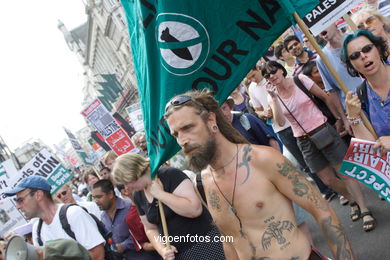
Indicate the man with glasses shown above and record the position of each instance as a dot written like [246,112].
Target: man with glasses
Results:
[65,195]
[34,199]
[296,49]
[249,188]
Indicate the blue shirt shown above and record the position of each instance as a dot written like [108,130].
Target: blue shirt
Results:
[258,132]
[379,110]
[118,227]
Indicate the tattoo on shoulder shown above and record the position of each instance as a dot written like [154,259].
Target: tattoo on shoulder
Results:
[214,200]
[245,161]
[336,236]
[275,230]
[300,187]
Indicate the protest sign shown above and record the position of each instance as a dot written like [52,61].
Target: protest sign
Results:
[8,174]
[114,135]
[135,113]
[10,216]
[77,147]
[182,46]
[326,13]
[44,164]
[368,166]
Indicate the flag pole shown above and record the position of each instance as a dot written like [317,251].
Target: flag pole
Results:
[349,21]
[327,63]
[164,223]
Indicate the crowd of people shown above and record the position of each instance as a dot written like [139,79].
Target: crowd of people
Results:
[256,166]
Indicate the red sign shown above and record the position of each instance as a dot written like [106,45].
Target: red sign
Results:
[120,142]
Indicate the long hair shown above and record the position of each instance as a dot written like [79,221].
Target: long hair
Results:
[379,43]
[205,103]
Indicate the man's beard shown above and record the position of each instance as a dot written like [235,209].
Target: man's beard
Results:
[202,157]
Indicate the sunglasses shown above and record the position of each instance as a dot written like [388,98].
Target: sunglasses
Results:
[365,49]
[369,21]
[22,198]
[268,74]
[293,45]
[62,194]
[181,100]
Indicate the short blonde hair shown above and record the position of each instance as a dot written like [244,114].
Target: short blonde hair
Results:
[373,12]
[110,155]
[129,167]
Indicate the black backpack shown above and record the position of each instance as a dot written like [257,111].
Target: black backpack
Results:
[317,101]
[109,254]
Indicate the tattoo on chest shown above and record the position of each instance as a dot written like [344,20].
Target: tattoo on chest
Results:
[335,235]
[214,201]
[245,161]
[300,188]
[275,230]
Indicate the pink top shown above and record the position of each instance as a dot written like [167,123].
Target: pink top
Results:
[303,109]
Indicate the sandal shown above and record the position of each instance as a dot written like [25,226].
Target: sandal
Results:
[372,222]
[356,213]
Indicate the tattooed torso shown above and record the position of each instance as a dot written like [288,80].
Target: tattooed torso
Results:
[268,229]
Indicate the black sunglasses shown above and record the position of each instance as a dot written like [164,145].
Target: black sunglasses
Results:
[365,49]
[181,100]
[293,45]
[272,71]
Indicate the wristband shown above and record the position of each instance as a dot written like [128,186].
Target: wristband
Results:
[354,120]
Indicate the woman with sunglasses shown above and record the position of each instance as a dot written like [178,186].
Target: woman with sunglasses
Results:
[183,210]
[371,20]
[365,56]
[306,120]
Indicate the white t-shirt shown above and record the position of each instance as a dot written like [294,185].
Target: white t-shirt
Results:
[259,98]
[92,208]
[82,224]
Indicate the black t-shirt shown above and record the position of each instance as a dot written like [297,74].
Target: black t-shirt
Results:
[177,225]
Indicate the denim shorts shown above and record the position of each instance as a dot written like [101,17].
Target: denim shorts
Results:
[319,159]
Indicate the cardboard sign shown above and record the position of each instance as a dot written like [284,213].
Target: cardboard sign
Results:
[46,165]
[135,113]
[368,166]
[328,12]
[8,174]
[113,134]
[10,217]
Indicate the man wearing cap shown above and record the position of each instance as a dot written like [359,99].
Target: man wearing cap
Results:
[34,199]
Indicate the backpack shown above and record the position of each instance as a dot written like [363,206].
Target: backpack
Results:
[108,252]
[317,101]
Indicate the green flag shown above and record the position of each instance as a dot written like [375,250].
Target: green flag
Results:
[182,45]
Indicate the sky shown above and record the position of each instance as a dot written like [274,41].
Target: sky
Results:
[41,79]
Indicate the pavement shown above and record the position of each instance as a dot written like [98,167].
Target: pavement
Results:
[374,245]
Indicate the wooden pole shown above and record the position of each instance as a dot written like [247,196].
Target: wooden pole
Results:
[349,21]
[164,223]
[327,63]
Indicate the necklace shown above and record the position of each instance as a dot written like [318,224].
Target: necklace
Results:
[231,205]
[229,162]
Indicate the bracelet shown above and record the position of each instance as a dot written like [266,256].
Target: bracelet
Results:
[354,120]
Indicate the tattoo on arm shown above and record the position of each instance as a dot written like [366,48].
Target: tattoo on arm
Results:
[245,161]
[214,201]
[335,235]
[300,188]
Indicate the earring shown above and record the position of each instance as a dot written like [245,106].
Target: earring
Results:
[215,128]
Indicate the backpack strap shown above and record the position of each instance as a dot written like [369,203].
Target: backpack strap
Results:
[361,91]
[64,220]
[198,186]
[39,238]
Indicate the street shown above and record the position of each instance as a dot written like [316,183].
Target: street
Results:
[372,245]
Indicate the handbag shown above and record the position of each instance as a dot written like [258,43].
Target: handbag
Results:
[321,139]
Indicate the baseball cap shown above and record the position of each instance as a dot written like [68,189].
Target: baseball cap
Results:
[63,249]
[31,182]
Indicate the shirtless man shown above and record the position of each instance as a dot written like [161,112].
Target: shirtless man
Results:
[249,188]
